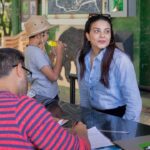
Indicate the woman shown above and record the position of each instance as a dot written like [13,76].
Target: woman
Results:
[106,76]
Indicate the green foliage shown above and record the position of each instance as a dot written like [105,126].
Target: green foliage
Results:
[25,8]
[5,18]
[118,5]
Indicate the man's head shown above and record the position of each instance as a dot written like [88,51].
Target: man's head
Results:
[13,76]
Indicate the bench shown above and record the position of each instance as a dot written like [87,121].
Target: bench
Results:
[73,78]
[18,41]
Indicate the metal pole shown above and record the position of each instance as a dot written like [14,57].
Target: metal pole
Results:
[72,78]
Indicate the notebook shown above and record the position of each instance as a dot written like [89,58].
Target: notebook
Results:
[97,139]
[138,143]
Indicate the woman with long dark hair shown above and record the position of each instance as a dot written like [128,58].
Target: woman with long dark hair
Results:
[106,76]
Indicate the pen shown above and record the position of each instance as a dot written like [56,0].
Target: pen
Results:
[112,131]
[74,124]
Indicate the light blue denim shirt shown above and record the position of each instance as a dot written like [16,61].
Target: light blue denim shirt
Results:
[123,88]
[35,59]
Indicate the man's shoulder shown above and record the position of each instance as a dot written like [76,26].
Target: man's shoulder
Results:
[26,103]
[8,95]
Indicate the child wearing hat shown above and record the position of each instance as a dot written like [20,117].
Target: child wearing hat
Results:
[44,77]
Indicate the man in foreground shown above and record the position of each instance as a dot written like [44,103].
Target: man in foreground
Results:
[24,123]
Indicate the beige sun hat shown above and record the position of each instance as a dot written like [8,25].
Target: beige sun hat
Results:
[36,24]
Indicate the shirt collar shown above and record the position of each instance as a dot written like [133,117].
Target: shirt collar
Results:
[99,56]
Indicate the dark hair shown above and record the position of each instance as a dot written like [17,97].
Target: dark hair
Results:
[31,37]
[8,58]
[108,55]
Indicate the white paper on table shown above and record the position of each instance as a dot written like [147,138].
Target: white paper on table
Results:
[97,139]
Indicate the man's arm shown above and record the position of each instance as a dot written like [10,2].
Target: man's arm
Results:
[45,133]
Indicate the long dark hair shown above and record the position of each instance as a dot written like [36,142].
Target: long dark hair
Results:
[108,55]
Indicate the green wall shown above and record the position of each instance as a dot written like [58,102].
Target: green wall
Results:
[131,24]
[140,27]
[145,43]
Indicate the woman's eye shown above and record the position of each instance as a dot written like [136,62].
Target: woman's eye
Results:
[96,31]
[107,31]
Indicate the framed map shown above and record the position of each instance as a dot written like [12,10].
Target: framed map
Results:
[76,12]
[73,6]
[70,8]
[70,12]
